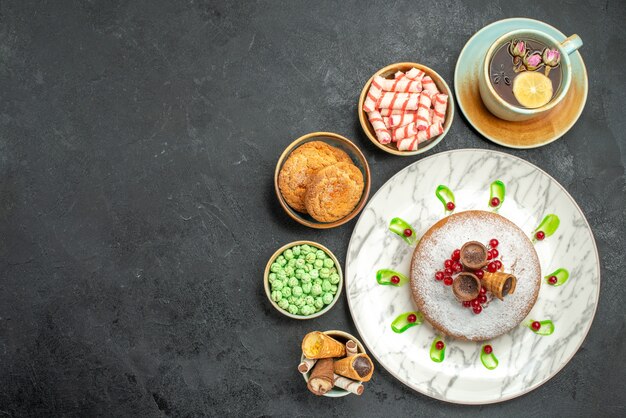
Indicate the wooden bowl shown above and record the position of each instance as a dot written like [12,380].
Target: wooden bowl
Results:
[358,159]
[390,70]
[278,252]
[342,337]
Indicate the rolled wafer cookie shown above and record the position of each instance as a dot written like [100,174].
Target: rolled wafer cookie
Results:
[359,367]
[378,124]
[306,365]
[322,377]
[316,345]
[373,96]
[351,348]
[499,283]
[440,103]
[348,384]
[428,86]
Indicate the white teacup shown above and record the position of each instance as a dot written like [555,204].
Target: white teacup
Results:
[507,111]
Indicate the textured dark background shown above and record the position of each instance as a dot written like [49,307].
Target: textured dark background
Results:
[137,148]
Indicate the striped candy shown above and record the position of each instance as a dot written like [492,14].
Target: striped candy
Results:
[383,135]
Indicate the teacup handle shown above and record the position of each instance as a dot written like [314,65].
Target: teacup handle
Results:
[571,44]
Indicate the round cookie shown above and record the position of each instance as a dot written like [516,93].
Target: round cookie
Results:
[334,191]
[302,164]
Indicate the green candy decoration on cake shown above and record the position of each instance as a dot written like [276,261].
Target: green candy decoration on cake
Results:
[403,230]
[545,327]
[406,321]
[558,277]
[547,227]
[445,196]
[489,360]
[437,350]
[391,277]
[496,195]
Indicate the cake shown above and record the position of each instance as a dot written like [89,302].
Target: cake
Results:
[437,301]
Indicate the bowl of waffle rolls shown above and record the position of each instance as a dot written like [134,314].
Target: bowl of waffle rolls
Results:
[334,364]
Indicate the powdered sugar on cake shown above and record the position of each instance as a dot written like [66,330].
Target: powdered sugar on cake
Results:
[437,302]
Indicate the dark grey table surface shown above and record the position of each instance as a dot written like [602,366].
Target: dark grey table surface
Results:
[137,148]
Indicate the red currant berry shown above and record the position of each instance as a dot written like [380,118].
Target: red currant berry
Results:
[411,318]
[450,206]
[536,325]
[489,256]
[498,264]
[552,280]
[479,273]
[540,235]
[448,281]
[407,232]
[493,243]
[456,255]
[440,345]
[495,253]
[483,290]
[448,271]
[487,349]
[492,267]
[457,267]
[477,309]
[482,299]
[495,202]
[439,275]
[395,279]
[448,263]
[467,303]
[475,302]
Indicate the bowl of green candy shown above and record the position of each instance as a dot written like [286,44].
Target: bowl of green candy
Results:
[303,280]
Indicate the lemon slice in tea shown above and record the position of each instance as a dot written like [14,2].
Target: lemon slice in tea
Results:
[532,89]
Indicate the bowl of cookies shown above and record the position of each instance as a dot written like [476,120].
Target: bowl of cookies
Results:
[406,108]
[334,364]
[322,180]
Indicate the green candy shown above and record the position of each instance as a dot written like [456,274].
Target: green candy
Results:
[317,281]
[305,249]
[271,277]
[324,273]
[305,278]
[293,282]
[288,254]
[297,291]
[296,250]
[334,278]
[300,302]
[316,290]
[276,295]
[320,254]
[310,258]
[293,309]
[314,273]
[333,289]
[281,274]
[275,267]
[309,300]
[283,303]
[291,263]
[289,271]
[333,270]
[281,260]
[327,298]
[286,291]
[319,303]
[292,300]
[306,288]
[318,264]
[300,263]
[305,310]
[326,286]
[328,263]
[299,273]
[277,285]
[308,268]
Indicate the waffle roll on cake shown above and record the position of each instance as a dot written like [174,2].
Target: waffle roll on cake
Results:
[500,283]
[322,377]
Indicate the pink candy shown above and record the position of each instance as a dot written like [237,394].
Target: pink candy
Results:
[383,135]
[410,143]
[373,95]
[400,101]
[429,86]
[440,103]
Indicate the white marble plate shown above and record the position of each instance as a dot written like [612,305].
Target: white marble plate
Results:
[526,360]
